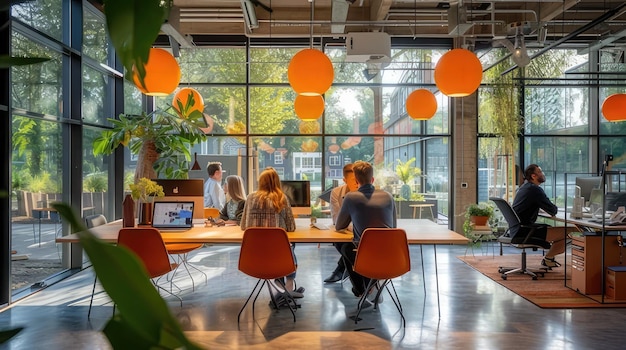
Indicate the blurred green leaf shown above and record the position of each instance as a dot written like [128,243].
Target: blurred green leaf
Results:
[143,315]
[133,25]
[8,61]
[8,334]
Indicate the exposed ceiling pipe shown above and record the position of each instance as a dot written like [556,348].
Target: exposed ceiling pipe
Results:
[573,34]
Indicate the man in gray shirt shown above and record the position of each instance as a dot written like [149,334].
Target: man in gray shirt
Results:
[367,207]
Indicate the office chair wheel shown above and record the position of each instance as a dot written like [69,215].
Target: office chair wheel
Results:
[535,278]
[504,277]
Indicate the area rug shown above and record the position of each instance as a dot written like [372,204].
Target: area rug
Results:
[547,292]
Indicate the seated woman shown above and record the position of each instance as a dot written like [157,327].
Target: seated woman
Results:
[235,200]
[269,207]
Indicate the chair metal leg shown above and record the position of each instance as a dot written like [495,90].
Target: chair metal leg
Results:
[93,290]
[249,297]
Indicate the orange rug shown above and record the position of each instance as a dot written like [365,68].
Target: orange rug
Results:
[547,292]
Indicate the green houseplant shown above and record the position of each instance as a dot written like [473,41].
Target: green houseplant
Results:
[158,138]
[477,215]
[406,173]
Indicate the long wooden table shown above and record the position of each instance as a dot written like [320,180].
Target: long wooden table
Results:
[418,232]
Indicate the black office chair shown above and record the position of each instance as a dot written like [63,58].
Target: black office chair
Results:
[519,236]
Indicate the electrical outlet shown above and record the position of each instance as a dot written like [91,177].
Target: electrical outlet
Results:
[463,184]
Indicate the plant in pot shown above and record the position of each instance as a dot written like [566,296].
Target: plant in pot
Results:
[158,138]
[144,191]
[406,173]
[477,215]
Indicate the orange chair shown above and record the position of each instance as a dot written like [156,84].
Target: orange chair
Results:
[266,254]
[383,254]
[182,250]
[211,213]
[148,245]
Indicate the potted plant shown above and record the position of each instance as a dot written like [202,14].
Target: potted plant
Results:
[406,173]
[158,138]
[144,191]
[477,215]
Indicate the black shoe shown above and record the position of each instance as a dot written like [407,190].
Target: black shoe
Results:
[335,277]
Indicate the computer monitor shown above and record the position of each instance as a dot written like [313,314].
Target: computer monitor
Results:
[184,190]
[299,194]
[587,184]
[615,200]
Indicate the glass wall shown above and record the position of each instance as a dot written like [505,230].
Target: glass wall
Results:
[45,113]
[250,107]
[560,125]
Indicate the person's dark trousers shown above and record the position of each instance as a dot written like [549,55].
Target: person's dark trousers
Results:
[359,283]
[341,266]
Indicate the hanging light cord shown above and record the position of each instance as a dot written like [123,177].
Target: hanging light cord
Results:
[312,16]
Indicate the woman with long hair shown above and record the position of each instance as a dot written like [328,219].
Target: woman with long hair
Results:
[235,200]
[269,207]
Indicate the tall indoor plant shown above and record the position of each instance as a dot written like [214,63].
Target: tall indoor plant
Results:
[158,138]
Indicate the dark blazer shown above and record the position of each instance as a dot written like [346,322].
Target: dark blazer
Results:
[238,212]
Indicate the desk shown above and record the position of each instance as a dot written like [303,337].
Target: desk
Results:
[422,206]
[593,251]
[418,232]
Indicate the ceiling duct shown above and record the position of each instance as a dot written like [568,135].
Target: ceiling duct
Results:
[249,15]
[457,20]
[339,14]
[171,27]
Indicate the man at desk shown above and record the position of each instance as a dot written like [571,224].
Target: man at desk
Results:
[529,199]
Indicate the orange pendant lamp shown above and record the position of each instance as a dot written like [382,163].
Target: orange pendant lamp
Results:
[186,101]
[309,107]
[458,73]
[614,108]
[421,104]
[310,72]
[162,74]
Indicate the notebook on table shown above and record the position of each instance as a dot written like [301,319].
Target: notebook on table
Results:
[173,216]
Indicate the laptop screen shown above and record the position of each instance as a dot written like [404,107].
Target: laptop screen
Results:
[173,215]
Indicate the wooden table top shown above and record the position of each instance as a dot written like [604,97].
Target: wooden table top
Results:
[418,232]
[561,216]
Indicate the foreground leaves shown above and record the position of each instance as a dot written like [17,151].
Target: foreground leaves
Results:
[143,320]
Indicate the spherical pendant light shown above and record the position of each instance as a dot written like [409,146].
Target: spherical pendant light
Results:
[310,72]
[181,99]
[421,104]
[309,107]
[162,74]
[458,73]
[614,108]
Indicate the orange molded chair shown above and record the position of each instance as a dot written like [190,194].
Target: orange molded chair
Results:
[148,245]
[383,254]
[211,213]
[266,254]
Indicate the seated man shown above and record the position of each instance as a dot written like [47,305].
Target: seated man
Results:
[529,199]
[364,208]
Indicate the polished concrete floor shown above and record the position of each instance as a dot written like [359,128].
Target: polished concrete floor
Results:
[473,313]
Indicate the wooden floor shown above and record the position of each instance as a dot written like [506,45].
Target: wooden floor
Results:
[476,313]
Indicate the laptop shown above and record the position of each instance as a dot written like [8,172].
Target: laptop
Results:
[173,216]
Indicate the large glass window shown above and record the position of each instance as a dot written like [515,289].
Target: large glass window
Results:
[43,15]
[95,40]
[36,182]
[37,87]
